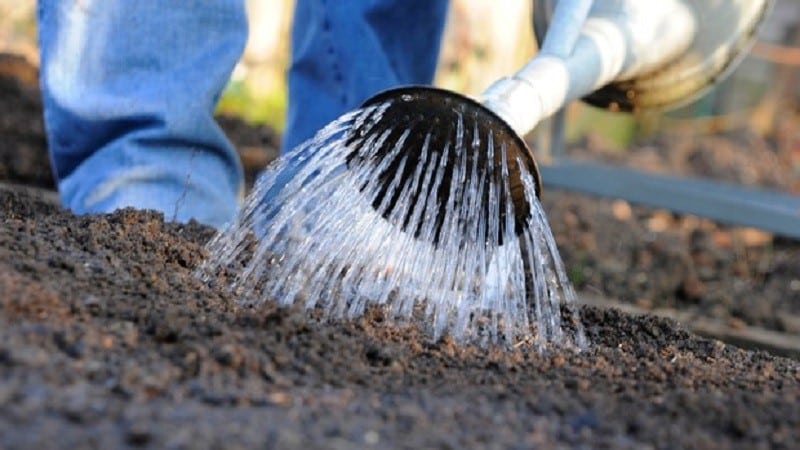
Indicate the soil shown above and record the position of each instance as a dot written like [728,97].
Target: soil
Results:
[655,259]
[110,341]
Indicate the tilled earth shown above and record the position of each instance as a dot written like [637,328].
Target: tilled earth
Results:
[110,341]
[655,259]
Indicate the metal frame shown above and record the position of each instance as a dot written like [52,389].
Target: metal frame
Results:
[769,210]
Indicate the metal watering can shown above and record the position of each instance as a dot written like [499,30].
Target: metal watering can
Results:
[625,55]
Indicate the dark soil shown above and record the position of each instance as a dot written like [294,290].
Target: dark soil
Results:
[23,150]
[110,341]
[653,258]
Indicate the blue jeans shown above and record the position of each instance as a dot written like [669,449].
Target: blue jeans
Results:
[129,89]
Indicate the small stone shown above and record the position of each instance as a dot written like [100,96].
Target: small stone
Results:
[737,323]
[644,302]
[92,303]
[371,437]
[692,288]
[279,398]
[755,238]
[138,433]
[659,222]
[621,210]
[229,355]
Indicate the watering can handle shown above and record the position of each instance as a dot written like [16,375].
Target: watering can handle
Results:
[620,39]
[565,27]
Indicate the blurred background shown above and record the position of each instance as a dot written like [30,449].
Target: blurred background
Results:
[486,39]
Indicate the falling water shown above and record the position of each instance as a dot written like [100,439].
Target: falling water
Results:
[340,227]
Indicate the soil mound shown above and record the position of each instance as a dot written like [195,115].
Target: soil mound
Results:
[110,341]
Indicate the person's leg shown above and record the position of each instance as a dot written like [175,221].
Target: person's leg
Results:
[129,89]
[344,51]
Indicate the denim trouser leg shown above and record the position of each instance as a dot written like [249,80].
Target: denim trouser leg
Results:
[129,88]
[344,51]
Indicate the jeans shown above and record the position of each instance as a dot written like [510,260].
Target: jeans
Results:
[129,89]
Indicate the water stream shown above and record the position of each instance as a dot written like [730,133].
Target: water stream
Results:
[340,235]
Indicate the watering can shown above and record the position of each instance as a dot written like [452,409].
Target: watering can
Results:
[625,55]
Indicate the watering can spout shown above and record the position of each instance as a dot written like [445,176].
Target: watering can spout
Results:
[629,55]
[620,39]
[463,138]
